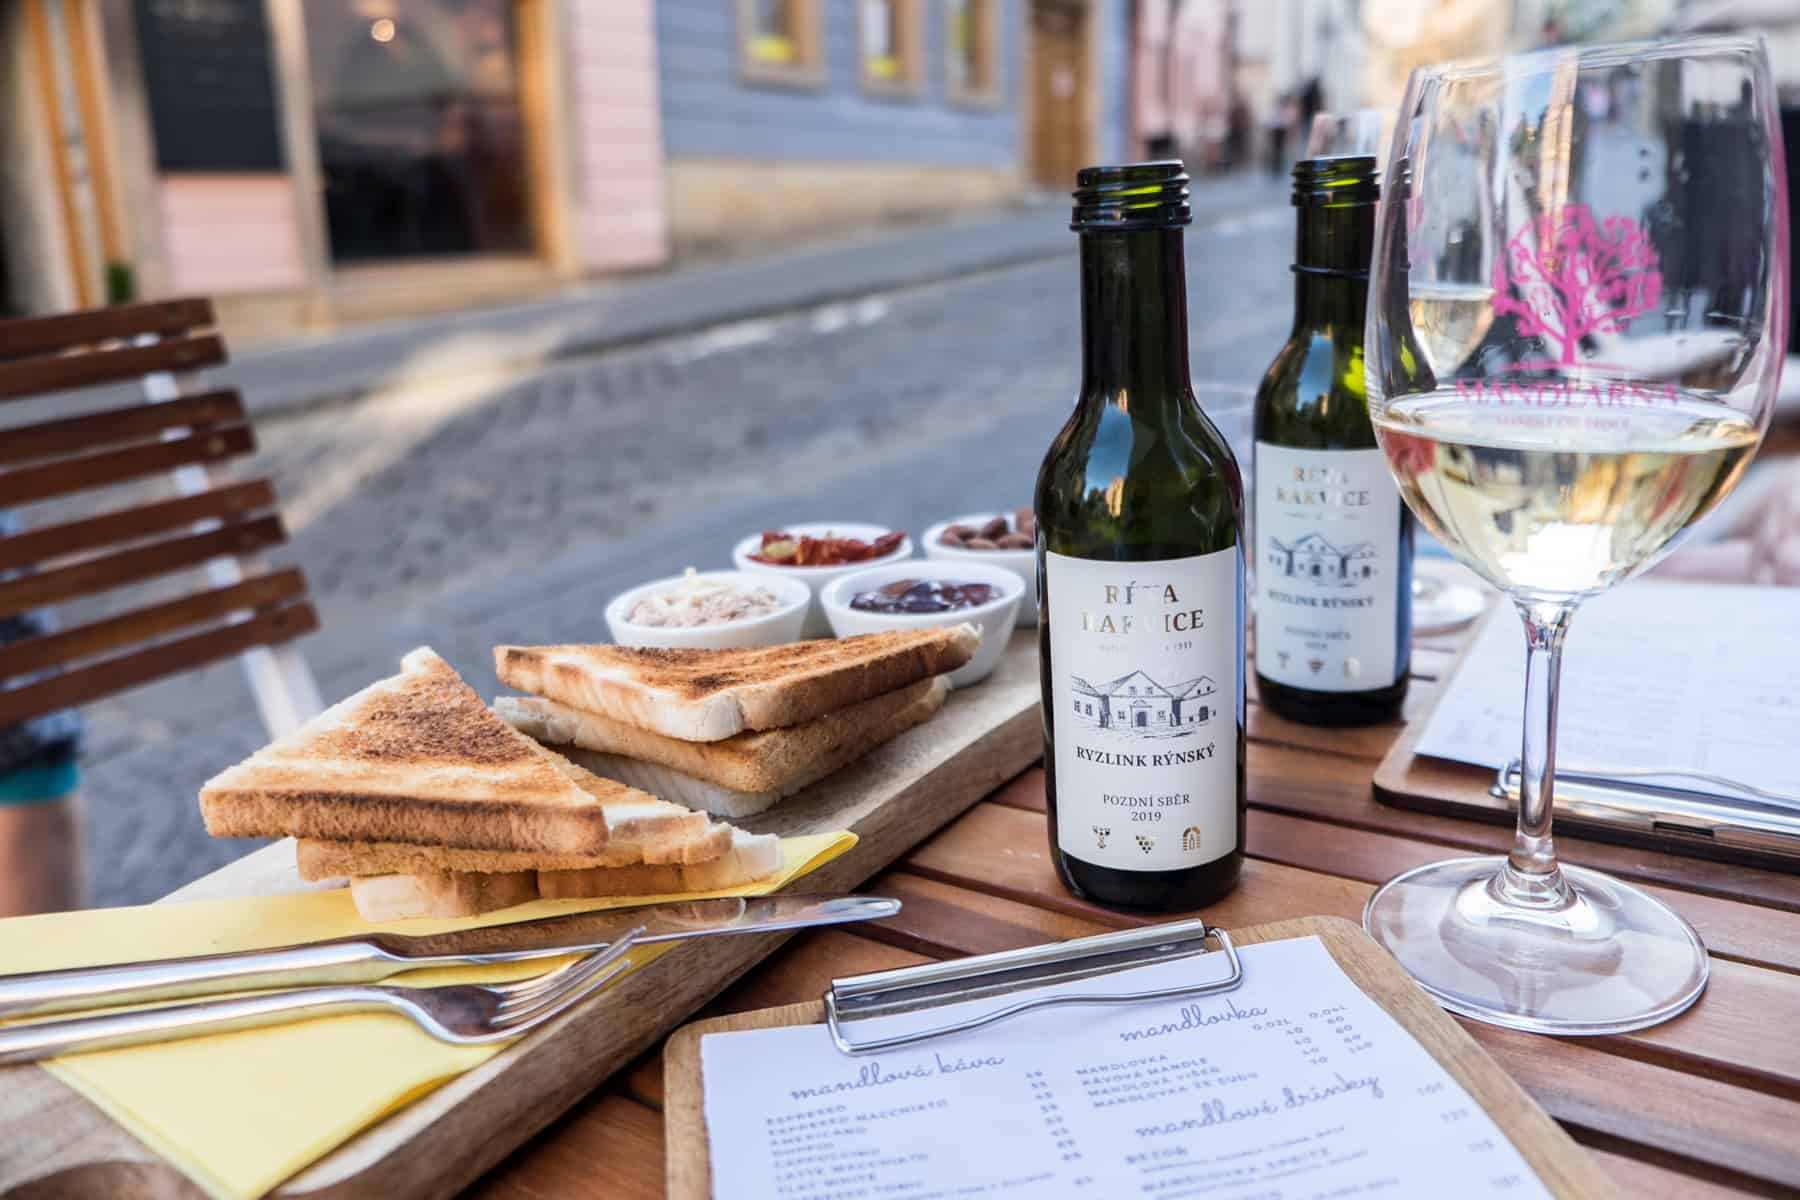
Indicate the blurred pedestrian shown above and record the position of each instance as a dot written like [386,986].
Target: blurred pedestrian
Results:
[1311,103]
[1281,118]
[39,838]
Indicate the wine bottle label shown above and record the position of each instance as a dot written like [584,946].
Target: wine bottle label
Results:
[1327,534]
[1145,661]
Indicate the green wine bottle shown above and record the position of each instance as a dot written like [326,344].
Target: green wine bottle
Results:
[1333,562]
[1139,508]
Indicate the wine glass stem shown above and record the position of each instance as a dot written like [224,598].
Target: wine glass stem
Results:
[1530,878]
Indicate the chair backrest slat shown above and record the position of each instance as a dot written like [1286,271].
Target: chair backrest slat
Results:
[72,435]
[167,582]
[38,546]
[60,372]
[80,685]
[67,646]
[66,331]
[109,571]
[69,475]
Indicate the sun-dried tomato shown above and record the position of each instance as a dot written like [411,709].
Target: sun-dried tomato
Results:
[781,548]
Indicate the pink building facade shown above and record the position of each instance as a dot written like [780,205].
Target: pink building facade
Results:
[313,162]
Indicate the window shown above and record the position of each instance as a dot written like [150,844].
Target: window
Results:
[889,34]
[972,46]
[778,41]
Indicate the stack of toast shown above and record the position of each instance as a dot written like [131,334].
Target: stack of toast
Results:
[729,732]
[434,806]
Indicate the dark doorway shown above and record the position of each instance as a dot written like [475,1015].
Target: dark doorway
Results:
[1059,91]
[421,131]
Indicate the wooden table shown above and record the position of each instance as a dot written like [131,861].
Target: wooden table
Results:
[1707,1105]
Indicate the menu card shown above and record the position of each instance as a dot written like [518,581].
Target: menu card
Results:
[1293,1086]
[1695,676]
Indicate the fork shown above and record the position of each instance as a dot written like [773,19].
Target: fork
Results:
[463,1014]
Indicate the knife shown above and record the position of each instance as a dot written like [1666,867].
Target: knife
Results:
[364,958]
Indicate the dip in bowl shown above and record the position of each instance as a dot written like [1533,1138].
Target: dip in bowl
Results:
[995,618]
[1021,561]
[816,577]
[710,610]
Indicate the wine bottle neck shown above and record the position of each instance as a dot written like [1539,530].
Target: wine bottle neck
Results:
[1332,245]
[1330,304]
[1334,238]
[1134,317]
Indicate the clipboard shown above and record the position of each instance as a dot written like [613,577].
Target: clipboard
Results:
[1676,823]
[1564,1167]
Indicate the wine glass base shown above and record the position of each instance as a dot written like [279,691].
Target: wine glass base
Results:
[1608,960]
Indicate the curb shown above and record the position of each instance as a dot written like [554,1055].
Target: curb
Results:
[275,380]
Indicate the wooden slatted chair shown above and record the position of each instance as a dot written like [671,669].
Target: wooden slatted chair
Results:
[203,542]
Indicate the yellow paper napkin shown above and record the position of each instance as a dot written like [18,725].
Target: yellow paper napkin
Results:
[240,1112]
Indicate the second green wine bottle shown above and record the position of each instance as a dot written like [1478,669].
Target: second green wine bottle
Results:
[1333,563]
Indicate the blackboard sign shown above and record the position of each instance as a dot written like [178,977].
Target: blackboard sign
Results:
[210,78]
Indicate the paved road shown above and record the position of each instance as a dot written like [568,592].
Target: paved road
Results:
[503,495]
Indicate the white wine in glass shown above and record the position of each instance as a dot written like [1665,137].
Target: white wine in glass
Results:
[1563,503]
[1567,368]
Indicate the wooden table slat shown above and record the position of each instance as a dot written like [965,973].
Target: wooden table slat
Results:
[802,971]
[558,1163]
[1635,1177]
[1704,1120]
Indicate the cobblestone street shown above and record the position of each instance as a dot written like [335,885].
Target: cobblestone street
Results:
[485,489]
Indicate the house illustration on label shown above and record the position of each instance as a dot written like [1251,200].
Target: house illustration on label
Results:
[1316,560]
[1136,701]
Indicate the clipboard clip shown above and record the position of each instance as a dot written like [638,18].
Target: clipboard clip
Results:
[934,985]
[1642,799]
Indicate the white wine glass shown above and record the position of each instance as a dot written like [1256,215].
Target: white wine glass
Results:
[1577,318]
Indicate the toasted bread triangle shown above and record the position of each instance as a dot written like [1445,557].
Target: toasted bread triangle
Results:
[643,830]
[710,695]
[417,756]
[465,894]
[782,760]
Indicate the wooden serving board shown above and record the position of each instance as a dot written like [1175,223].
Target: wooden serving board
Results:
[54,1143]
[1565,1168]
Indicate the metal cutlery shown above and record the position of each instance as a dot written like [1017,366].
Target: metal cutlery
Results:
[366,958]
[465,1014]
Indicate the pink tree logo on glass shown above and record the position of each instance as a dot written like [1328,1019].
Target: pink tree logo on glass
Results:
[1575,276]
